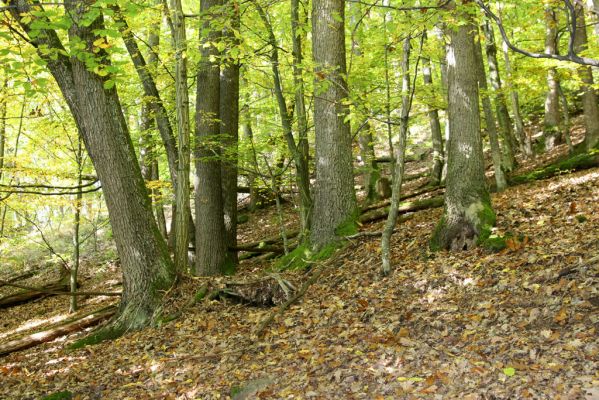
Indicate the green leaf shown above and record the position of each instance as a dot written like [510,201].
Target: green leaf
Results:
[109,84]
[509,371]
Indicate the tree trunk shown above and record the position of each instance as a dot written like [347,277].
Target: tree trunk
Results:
[590,100]
[211,241]
[551,130]
[503,116]
[76,225]
[371,168]
[436,135]
[229,129]
[523,137]
[498,161]
[399,163]
[147,269]
[298,154]
[183,150]
[334,198]
[468,216]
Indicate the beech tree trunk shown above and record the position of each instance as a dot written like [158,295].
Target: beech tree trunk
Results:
[468,215]
[95,105]
[399,159]
[183,149]
[229,130]
[551,130]
[371,168]
[211,240]
[436,135]
[334,198]
[590,100]
[503,116]
[498,160]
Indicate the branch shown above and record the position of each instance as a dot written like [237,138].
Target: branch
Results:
[55,292]
[572,57]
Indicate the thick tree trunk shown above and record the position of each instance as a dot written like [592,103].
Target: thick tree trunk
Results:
[436,135]
[183,150]
[468,216]
[211,241]
[147,269]
[498,161]
[229,129]
[551,130]
[590,100]
[503,116]
[334,198]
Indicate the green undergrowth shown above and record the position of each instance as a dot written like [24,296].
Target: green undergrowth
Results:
[303,256]
[101,335]
[64,395]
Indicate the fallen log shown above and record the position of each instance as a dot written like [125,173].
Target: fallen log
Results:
[26,275]
[70,326]
[575,163]
[410,206]
[29,295]
[57,292]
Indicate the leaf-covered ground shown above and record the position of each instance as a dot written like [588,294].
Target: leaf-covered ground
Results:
[517,324]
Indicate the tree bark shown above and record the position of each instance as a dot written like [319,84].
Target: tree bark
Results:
[498,161]
[551,130]
[211,241]
[229,128]
[468,216]
[94,102]
[503,116]
[183,150]
[436,135]
[399,157]
[590,100]
[334,197]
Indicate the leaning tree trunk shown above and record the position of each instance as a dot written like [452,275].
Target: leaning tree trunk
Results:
[229,130]
[468,215]
[551,130]
[93,100]
[590,100]
[498,161]
[334,198]
[211,243]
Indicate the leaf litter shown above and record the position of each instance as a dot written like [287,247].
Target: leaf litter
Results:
[521,323]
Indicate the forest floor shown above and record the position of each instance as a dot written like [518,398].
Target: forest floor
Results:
[521,323]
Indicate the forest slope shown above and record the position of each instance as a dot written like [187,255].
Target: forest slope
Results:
[521,323]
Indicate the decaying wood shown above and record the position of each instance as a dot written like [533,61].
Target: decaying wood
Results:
[64,328]
[298,295]
[406,207]
[266,291]
[48,291]
[30,295]
[25,275]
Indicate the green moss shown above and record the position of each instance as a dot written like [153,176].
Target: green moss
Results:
[350,225]
[64,395]
[486,221]
[303,256]
[242,219]
[494,243]
[101,335]
[579,161]
[435,242]
[200,294]
[581,218]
